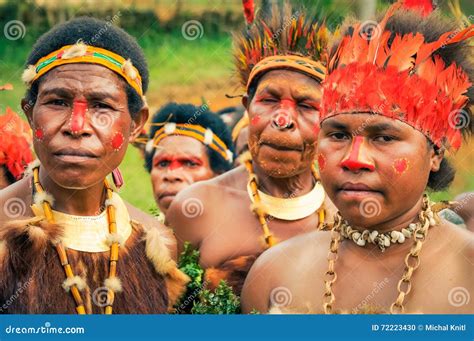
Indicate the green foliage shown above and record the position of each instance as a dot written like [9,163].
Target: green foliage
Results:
[221,301]
[189,264]
[197,299]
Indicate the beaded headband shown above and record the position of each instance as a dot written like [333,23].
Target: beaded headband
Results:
[397,76]
[82,53]
[203,135]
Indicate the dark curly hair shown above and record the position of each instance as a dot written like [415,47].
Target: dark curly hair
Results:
[97,33]
[190,114]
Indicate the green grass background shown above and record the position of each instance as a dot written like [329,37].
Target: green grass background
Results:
[184,71]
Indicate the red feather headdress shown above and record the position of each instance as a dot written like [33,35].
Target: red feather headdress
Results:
[400,77]
[15,143]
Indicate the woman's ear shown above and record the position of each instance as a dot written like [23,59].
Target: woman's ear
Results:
[436,157]
[245,101]
[27,108]
[138,123]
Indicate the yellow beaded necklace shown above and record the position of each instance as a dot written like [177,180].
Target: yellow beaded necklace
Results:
[257,207]
[114,247]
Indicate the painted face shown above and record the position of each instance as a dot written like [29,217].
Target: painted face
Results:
[283,115]
[374,168]
[81,124]
[178,162]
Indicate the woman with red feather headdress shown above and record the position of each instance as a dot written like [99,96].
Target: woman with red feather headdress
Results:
[393,103]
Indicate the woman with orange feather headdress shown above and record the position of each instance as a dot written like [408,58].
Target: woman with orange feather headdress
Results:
[394,102]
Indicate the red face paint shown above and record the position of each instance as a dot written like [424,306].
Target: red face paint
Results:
[316,128]
[78,116]
[117,141]
[255,120]
[400,165]
[39,134]
[353,161]
[321,161]
[288,104]
[173,162]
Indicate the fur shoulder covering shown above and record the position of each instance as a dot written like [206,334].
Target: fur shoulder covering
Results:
[32,279]
[158,252]
[233,271]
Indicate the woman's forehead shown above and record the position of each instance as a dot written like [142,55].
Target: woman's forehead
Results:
[283,80]
[82,76]
[180,146]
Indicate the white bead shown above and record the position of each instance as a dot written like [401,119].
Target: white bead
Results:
[360,242]
[355,236]
[412,226]
[406,233]
[365,234]
[394,235]
[401,238]
[373,235]
[386,241]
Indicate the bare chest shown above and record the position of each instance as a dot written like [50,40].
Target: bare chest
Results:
[237,232]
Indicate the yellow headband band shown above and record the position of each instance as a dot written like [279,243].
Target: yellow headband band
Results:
[82,53]
[303,64]
[205,136]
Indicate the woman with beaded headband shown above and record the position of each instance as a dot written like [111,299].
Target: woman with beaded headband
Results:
[65,233]
[386,120]
[186,144]
[276,194]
